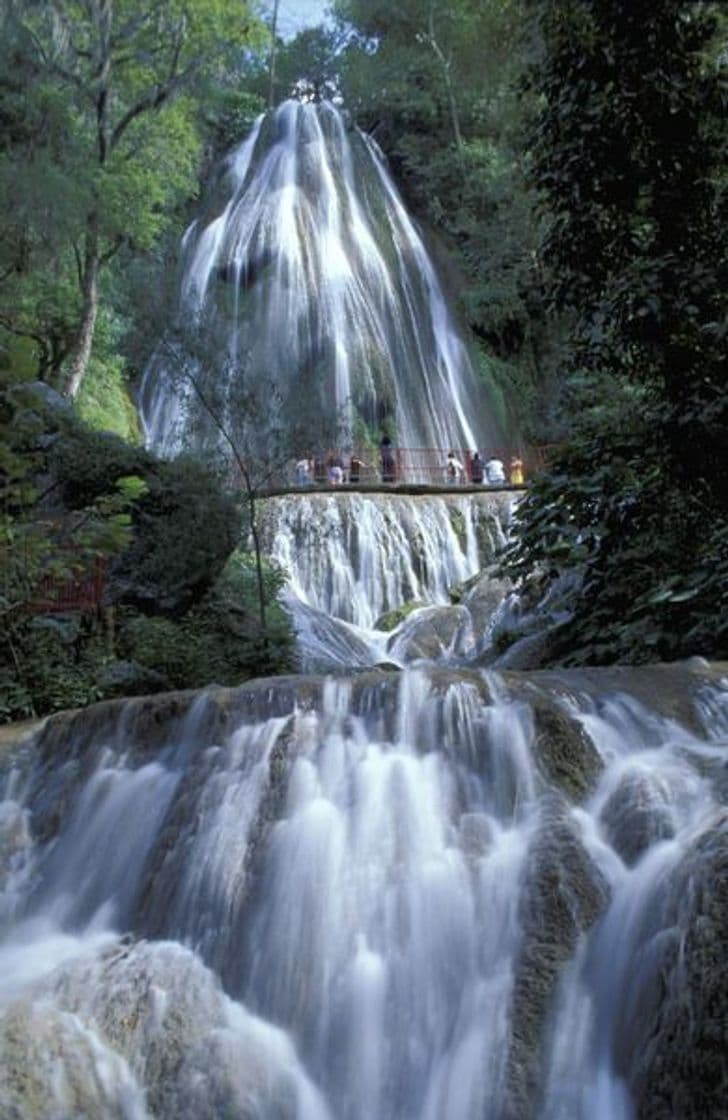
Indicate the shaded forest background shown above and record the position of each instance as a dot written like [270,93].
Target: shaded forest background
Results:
[567,161]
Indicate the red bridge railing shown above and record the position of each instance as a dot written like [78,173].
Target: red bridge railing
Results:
[392,465]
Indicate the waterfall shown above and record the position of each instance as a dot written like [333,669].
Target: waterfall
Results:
[350,558]
[405,896]
[311,279]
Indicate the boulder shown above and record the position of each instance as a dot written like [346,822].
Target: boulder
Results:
[563,750]
[675,1059]
[636,815]
[563,895]
[431,632]
[127,678]
[483,600]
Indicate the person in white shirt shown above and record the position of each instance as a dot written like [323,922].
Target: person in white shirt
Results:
[454,469]
[495,472]
[303,472]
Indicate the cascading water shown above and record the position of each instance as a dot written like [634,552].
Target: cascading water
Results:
[351,558]
[428,895]
[312,274]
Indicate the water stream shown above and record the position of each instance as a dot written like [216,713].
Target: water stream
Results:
[342,898]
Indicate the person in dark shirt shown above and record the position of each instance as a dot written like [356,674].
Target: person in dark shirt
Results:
[476,469]
[387,459]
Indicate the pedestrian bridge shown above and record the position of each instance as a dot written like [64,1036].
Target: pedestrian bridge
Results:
[385,469]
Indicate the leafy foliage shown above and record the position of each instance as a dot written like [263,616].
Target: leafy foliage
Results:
[629,155]
[188,615]
[102,140]
[219,639]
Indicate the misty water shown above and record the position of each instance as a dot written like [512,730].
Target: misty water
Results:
[327,898]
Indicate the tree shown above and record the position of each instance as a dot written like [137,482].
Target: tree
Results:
[241,419]
[110,81]
[629,156]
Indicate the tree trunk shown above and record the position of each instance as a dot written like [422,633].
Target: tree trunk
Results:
[89,287]
[253,519]
[446,64]
[273,52]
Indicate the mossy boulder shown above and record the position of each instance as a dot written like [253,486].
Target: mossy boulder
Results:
[637,814]
[674,1059]
[563,896]
[391,619]
[563,750]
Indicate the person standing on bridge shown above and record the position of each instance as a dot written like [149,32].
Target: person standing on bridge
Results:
[454,470]
[477,467]
[516,471]
[356,466]
[387,459]
[304,470]
[494,472]
[336,470]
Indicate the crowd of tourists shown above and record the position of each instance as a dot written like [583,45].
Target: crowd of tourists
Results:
[391,466]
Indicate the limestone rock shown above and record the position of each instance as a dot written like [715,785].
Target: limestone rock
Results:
[675,1059]
[636,815]
[564,895]
[51,1065]
[563,750]
[430,633]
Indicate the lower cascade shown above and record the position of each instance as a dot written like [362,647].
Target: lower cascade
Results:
[434,893]
[357,564]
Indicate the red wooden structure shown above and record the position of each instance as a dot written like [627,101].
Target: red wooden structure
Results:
[81,593]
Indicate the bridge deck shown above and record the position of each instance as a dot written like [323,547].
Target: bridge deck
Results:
[390,488]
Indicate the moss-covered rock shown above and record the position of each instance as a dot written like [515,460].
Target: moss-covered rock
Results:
[563,750]
[391,619]
[636,815]
[675,1059]
[457,520]
[563,896]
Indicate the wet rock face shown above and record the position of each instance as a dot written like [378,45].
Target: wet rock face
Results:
[636,815]
[49,1067]
[676,1060]
[142,1030]
[430,633]
[564,895]
[563,750]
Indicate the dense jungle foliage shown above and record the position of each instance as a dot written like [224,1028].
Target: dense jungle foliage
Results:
[566,159]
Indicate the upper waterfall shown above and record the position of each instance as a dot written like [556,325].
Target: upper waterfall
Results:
[308,273]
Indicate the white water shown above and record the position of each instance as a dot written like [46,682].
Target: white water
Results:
[312,274]
[350,558]
[355,870]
